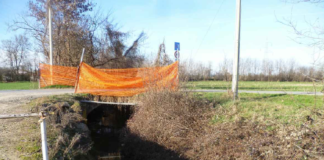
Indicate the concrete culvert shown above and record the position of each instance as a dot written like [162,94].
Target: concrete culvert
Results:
[105,123]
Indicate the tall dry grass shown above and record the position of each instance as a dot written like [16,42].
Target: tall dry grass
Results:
[180,124]
[68,135]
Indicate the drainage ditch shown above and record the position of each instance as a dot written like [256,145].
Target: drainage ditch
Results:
[105,123]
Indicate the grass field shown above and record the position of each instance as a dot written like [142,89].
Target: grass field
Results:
[18,85]
[222,85]
[257,85]
[270,109]
[26,85]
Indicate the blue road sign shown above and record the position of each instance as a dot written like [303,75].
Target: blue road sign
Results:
[177,46]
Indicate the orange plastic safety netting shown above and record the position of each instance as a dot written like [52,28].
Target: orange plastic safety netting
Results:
[57,75]
[125,82]
[111,82]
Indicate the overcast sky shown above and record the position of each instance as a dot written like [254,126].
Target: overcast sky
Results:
[190,22]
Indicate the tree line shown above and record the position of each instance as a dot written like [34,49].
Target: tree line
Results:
[252,70]
[19,63]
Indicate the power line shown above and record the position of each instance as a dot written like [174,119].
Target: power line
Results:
[209,27]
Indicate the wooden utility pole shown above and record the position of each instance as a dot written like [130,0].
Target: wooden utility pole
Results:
[236,59]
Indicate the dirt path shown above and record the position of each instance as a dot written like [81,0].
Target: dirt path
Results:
[12,131]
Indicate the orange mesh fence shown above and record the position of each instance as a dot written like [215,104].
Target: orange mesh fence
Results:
[57,75]
[112,82]
[125,82]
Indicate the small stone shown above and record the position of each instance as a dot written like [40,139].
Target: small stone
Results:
[82,127]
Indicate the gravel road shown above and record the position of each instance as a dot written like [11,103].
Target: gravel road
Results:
[6,95]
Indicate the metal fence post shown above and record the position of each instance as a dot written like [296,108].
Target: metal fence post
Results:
[44,138]
[42,126]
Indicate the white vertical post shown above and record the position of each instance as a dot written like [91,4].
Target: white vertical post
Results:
[50,32]
[44,139]
[50,38]
[236,59]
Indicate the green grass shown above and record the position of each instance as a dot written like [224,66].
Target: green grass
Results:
[223,85]
[57,86]
[26,85]
[266,108]
[257,85]
[18,85]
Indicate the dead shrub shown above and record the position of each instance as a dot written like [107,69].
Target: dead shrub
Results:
[68,135]
[171,119]
[180,123]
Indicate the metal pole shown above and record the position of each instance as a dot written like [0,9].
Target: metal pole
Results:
[236,59]
[7,116]
[178,66]
[50,38]
[81,60]
[78,71]
[44,139]
[42,125]
[50,32]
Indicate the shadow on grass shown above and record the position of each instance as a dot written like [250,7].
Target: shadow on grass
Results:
[136,148]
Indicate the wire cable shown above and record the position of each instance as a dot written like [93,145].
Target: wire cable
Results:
[209,27]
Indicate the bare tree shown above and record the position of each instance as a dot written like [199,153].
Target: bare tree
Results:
[16,52]
[224,69]
[299,1]
[311,36]
[255,70]
[279,70]
[162,58]
[267,69]
[75,28]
